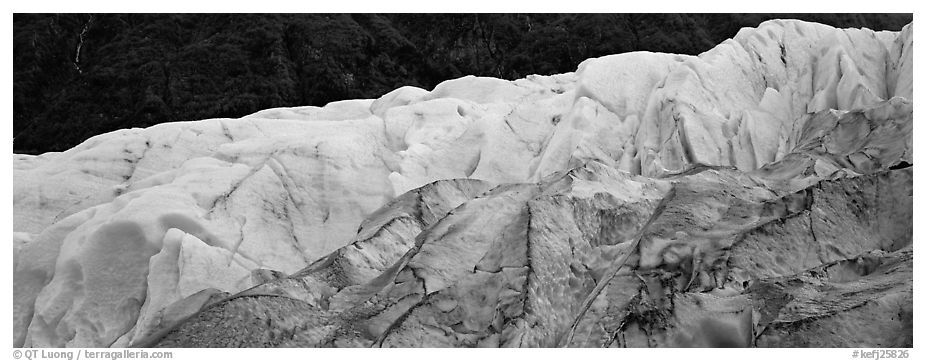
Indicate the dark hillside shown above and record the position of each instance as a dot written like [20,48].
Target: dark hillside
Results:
[78,75]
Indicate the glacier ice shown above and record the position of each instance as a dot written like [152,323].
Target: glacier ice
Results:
[449,208]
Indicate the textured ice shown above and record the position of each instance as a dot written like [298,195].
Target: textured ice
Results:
[383,208]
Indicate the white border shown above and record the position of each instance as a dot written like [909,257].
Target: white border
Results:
[274,6]
[517,6]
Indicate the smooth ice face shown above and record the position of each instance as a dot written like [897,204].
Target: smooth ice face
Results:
[134,229]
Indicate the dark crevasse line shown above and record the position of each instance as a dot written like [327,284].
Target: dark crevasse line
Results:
[633,249]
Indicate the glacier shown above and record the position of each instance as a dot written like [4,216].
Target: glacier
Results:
[758,194]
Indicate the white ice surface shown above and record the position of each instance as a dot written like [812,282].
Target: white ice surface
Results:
[110,233]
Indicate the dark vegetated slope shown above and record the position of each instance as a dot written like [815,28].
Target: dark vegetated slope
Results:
[78,75]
